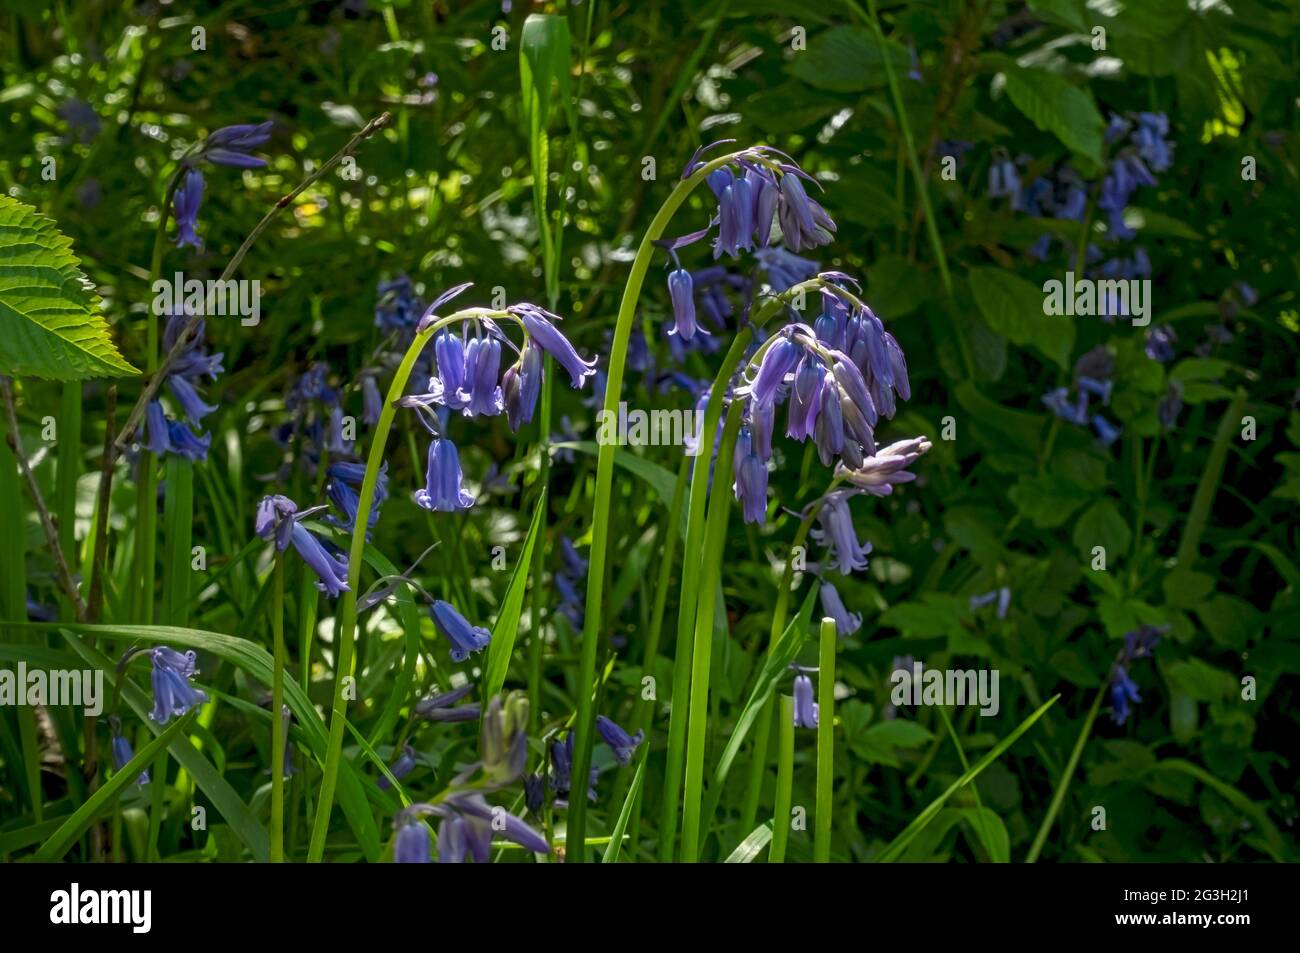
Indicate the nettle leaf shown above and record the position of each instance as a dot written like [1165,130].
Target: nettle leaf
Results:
[846,59]
[1055,106]
[50,324]
[1014,308]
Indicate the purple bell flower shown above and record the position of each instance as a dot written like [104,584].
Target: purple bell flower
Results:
[836,532]
[173,694]
[185,206]
[681,290]
[465,639]
[413,845]
[538,324]
[805,709]
[846,623]
[750,484]
[442,489]
[620,742]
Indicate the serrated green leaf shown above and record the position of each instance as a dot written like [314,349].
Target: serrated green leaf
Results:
[50,324]
[846,59]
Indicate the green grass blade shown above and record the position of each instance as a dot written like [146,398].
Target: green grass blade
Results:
[506,629]
[84,816]
[784,781]
[899,843]
[616,836]
[825,743]
[752,845]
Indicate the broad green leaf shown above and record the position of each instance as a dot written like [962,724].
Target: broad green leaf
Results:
[1101,525]
[1067,12]
[846,59]
[507,624]
[1014,308]
[1055,106]
[50,324]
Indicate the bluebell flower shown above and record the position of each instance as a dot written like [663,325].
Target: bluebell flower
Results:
[122,755]
[879,474]
[1004,181]
[846,623]
[372,403]
[805,709]
[192,406]
[572,560]
[750,483]
[185,206]
[185,443]
[231,145]
[157,434]
[804,223]
[330,568]
[443,707]
[836,532]
[397,307]
[173,694]
[828,430]
[534,793]
[520,386]
[400,768]
[1107,433]
[538,323]
[1097,388]
[1058,401]
[413,845]
[1160,343]
[81,118]
[681,290]
[562,769]
[620,742]
[465,639]
[1123,694]
[442,488]
[805,398]
[469,823]
[762,420]
[1150,139]
[480,393]
[448,387]
[778,361]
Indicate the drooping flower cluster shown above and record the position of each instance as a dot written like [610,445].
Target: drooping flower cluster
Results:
[279,518]
[1092,379]
[467,377]
[164,435]
[840,376]
[229,146]
[316,424]
[1141,643]
[173,693]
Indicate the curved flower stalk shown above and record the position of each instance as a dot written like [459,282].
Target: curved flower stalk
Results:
[480,391]
[755,187]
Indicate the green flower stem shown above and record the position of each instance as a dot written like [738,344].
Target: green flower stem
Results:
[347,624]
[683,652]
[825,743]
[763,726]
[1064,784]
[720,500]
[784,782]
[277,721]
[600,521]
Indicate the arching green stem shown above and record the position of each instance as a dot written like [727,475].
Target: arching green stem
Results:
[347,627]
